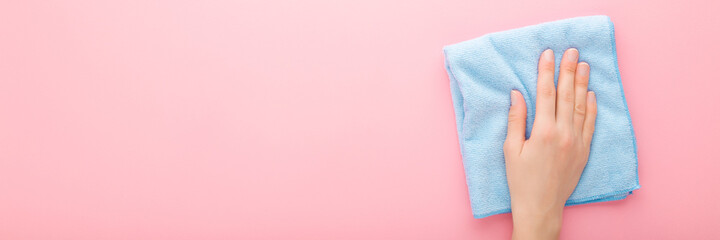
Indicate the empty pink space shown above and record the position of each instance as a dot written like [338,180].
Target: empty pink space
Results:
[314,119]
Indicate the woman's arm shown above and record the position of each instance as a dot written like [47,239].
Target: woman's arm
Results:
[543,171]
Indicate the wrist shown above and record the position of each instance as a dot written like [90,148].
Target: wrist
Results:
[537,223]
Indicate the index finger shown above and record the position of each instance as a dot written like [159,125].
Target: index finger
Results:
[545,97]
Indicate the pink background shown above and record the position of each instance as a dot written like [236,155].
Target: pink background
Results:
[314,119]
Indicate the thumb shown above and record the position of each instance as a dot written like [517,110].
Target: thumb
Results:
[516,123]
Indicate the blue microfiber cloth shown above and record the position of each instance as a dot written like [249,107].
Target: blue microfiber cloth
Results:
[484,70]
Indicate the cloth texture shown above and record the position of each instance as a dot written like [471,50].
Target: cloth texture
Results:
[484,70]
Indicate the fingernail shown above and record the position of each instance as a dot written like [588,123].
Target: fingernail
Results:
[572,54]
[514,97]
[547,55]
[583,69]
[591,96]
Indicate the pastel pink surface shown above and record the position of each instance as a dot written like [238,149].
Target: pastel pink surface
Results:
[314,119]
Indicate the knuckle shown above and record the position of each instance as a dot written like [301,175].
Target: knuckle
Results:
[565,140]
[581,82]
[544,134]
[592,110]
[580,109]
[508,148]
[547,68]
[546,91]
[568,68]
[514,117]
[567,96]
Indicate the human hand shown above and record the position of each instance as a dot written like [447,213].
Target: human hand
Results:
[543,171]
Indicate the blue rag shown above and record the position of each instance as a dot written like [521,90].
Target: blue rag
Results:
[484,70]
